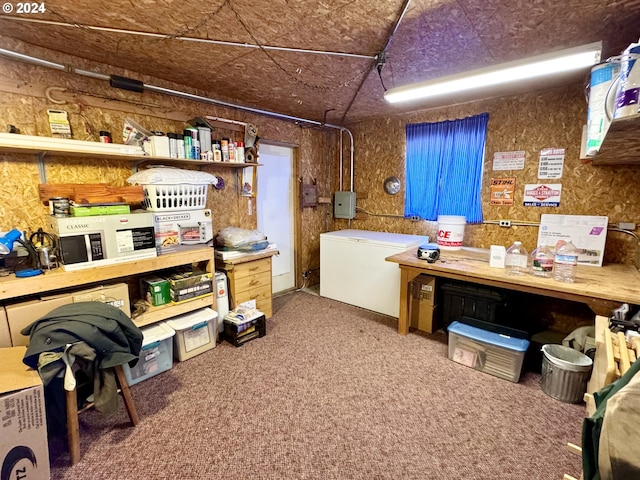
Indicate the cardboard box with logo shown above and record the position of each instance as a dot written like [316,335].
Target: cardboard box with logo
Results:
[24,449]
[177,231]
[190,284]
[87,242]
[19,315]
[156,290]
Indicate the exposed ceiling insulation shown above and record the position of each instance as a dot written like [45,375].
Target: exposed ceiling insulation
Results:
[317,59]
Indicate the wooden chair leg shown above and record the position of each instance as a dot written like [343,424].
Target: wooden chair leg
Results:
[73,424]
[73,427]
[126,395]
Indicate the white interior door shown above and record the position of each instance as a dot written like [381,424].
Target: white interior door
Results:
[275,209]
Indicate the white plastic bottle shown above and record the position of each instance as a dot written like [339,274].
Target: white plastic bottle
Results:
[515,262]
[565,262]
[542,261]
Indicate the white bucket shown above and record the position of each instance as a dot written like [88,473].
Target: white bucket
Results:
[451,232]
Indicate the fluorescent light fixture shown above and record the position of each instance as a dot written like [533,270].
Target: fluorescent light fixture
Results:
[542,65]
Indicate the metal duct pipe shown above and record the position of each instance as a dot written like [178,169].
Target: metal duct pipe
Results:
[341,166]
[117,81]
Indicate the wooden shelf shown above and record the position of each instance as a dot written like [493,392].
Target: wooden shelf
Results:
[156,314]
[13,287]
[201,163]
[621,145]
[46,146]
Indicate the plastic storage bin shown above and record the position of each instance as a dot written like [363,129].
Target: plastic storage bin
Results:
[162,197]
[156,355]
[196,333]
[460,299]
[490,352]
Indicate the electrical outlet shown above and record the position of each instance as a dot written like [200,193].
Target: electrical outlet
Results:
[505,223]
[627,225]
[414,218]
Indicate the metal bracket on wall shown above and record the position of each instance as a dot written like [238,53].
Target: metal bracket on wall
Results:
[41,166]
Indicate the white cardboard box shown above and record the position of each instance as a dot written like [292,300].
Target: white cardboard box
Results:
[87,242]
[176,231]
[587,232]
[24,449]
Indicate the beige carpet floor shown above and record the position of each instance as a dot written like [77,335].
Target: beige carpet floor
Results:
[331,392]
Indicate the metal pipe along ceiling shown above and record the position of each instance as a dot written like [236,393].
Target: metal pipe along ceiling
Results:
[177,93]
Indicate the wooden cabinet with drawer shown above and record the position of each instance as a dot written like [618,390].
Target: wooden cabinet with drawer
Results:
[249,279]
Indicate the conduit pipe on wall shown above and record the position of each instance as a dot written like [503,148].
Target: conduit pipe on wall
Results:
[119,82]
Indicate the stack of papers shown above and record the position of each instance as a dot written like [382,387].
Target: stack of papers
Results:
[245,312]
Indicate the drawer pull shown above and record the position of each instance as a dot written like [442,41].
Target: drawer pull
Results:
[253,283]
[253,269]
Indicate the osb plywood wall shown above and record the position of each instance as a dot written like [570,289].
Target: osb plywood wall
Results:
[530,123]
[93,106]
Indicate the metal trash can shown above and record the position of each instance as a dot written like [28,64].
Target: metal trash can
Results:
[565,373]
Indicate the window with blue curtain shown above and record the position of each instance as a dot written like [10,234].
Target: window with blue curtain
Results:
[444,168]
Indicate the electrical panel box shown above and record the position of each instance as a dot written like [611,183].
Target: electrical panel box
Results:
[344,205]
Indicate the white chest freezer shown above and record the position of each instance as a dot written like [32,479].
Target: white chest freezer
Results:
[353,269]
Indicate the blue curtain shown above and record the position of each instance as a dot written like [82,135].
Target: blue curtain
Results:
[444,168]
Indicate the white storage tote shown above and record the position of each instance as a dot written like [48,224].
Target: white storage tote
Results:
[196,332]
[156,355]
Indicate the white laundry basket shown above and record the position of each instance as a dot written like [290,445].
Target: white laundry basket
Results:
[164,197]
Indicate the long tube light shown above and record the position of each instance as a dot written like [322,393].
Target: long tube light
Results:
[542,65]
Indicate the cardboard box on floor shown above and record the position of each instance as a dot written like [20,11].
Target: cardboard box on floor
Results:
[24,450]
[422,306]
[20,315]
[5,336]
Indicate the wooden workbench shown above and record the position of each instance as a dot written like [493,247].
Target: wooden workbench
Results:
[601,288]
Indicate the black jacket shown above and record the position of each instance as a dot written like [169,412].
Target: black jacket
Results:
[107,329]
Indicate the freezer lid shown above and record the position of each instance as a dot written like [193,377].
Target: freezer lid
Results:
[400,240]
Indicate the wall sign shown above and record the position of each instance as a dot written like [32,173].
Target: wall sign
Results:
[551,163]
[502,190]
[542,195]
[508,160]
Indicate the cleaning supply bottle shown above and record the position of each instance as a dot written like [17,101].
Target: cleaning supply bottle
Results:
[240,152]
[565,261]
[515,262]
[542,261]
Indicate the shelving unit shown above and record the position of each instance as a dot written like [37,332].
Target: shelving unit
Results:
[621,145]
[12,287]
[42,147]
[156,314]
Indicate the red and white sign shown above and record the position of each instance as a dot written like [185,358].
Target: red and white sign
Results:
[542,195]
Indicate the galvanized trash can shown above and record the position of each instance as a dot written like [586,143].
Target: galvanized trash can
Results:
[565,373]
